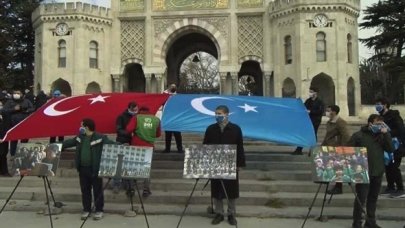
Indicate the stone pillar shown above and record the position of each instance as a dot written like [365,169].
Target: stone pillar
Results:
[235,83]
[159,88]
[116,82]
[148,78]
[267,89]
[223,86]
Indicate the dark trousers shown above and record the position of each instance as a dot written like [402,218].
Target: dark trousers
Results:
[53,139]
[370,193]
[177,137]
[316,126]
[3,158]
[13,146]
[87,182]
[393,173]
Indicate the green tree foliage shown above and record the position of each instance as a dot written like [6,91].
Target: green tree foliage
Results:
[387,17]
[16,43]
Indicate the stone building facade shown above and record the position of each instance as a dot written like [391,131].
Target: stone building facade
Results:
[285,46]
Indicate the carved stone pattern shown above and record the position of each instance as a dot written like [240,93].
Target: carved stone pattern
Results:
[220,23]
[250,3]
[250,36]
[132,39]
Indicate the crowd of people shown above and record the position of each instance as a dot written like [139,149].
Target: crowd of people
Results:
[383,136]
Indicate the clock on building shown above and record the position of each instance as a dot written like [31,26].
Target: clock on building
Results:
[320,20]
[61,29]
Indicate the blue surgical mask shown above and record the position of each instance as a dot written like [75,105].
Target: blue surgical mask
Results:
[131,113]
[379,107]
[375,128]
[82,130]
[219,118]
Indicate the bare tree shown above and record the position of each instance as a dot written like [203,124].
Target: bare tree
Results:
[199,74]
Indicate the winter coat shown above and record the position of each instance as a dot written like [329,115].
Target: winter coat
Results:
[376,144]
[337,133]
[393,119]
[120,124]
[26,108]
[232,134]
[316,109]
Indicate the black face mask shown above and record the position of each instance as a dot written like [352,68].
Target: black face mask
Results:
[173,90]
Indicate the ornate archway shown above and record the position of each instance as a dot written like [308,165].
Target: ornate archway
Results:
[326,88]
[63,86]
[250,78]
[289,89]
[351,97]
[93,87]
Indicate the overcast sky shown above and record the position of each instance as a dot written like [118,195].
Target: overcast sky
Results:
[364,52]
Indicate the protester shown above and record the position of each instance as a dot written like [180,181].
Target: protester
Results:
[56,94]
[18,108]
[225,132]
[89,146]
[395,186]
[145,128]
[29,95]
[40,99]
[315,108]
[377,139]
[5,123]
[337,134]
[123,137]
[168,134]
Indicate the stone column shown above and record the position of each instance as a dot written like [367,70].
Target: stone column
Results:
[235,83]
[148,78]
[267,89]
[116,82]
[223,86]
[159,83]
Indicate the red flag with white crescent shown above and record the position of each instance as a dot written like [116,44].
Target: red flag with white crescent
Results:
[63,116]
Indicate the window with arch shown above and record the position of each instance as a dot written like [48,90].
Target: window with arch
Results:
[93,55]
[288,49]
[349,48]
[320,47]
[62,54]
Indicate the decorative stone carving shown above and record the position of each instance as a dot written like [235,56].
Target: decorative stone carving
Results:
[132,5]
[172,5]
[250,36]
[222,24]
[250,3]
[132,40]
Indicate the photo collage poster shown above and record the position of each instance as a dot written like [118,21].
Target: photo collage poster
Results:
[340,164]
[35,159]
[132,162]
[210,162]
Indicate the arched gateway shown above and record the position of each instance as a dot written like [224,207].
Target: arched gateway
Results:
[139,45]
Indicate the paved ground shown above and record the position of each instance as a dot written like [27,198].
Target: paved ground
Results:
[33,220]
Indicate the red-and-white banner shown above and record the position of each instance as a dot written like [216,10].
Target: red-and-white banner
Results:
[62,116]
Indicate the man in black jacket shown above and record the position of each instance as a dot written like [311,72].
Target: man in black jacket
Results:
[315,108]
[395,185]
[225,132]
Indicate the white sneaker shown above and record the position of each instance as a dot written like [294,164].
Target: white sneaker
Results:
[98,215]
[84,215]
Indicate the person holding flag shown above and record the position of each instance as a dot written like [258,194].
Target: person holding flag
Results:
[168,134]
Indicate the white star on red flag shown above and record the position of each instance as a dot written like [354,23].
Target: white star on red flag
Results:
[99,98]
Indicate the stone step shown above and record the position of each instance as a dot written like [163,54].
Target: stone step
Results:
[201,210]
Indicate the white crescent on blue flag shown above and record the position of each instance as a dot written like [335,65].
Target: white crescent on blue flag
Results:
[280,120]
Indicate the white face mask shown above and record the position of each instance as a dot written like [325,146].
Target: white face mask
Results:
[311,94]
[16,96]
[328,114]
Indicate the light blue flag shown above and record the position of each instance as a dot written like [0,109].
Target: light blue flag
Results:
[280,120]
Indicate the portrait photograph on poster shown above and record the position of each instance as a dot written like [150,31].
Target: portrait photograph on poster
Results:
[210,162]
[34,159]
[121,161]
[340,164]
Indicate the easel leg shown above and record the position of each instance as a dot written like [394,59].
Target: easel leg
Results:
[59,204]
[321,217]
[140,200]
[47,201]
[226,195]
[312,204]
[11,195]
[95,201]
[188,202]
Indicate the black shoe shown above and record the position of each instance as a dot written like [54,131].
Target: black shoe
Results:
[335,191]
[232,220]
[357,225]
[218,218]
[398,194]
[371,225]
[146,193]
[388,191]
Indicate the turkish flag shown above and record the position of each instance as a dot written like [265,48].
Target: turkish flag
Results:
[63,116]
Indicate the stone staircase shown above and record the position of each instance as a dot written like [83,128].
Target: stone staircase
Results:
[274,183]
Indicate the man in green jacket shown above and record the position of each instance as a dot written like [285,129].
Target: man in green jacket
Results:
[377,139]
[89,146]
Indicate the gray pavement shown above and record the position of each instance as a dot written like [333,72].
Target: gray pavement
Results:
[34,220]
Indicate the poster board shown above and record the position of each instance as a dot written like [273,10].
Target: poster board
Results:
[210,162]
[340,164]
[130,162]
[35,159]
